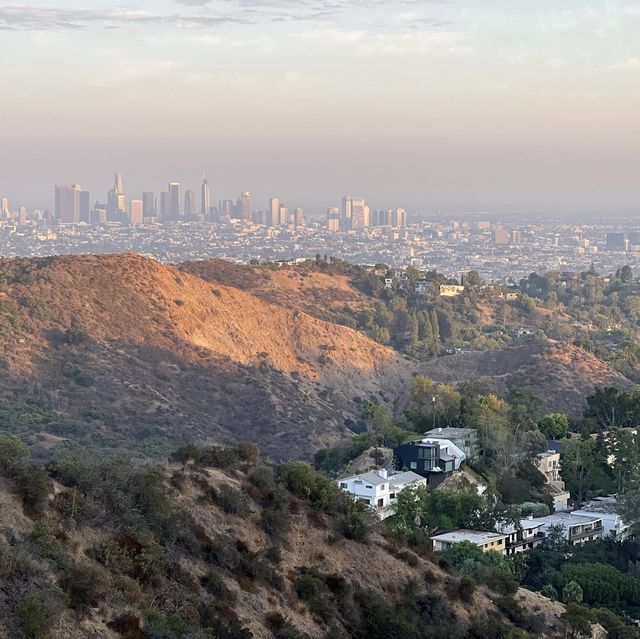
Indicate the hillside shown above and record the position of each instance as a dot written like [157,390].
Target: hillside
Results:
[110,350]
[559,373]
[233,550]
[304,289]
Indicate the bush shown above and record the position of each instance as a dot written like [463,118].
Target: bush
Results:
[216,586]
[357,523]
[466,588]
[232,501]
[39,612]
[84,587]
[312,589]
[276,521]
[262,477]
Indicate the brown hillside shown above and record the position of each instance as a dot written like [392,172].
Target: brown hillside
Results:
[223,568]
[168,357]
[311,291]
[561,374]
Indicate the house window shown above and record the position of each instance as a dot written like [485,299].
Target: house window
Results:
[413,465]
[343,485]
[392,496]
[367,486]
[382,487]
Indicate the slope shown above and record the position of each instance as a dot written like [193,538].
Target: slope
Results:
[560,373]
[124,351]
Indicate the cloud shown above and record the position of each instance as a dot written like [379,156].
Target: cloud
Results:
[368,43]
[627,65]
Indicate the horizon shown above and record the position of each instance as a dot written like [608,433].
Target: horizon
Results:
[423,105]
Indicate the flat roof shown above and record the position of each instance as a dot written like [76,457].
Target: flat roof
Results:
[474,536]
[450,431]
[567,519]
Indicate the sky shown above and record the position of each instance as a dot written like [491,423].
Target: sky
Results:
[442,104]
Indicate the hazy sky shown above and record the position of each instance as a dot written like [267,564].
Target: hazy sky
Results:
[415,103]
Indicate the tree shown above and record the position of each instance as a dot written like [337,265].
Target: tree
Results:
[554,425]
[608,406]
[629,511]
[626,274]
[623,447]
[572,593]
[577,466]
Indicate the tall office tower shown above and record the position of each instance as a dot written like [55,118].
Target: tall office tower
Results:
[615,242]
[299,219]
[226,209]
[148,204]
[174,200]
[68,203]
[516,237]
[85,206]
[165,205]
[5,206]
[345,218]
[118,186]
[273,219]
[243,206]
[257,217]
[136,212]
[333,219]
[205,197]
[401,218]
[359,213]
[189,203]
[22,216]
[501,237]
[283,215]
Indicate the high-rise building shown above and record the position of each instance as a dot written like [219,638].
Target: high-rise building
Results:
[85,206]
[189,203]
[274,212]
[299,219]
[165,205]
[136,212]
[516,237]
[174,200]
[359,213]
[226,210]
[501,237]
[615,242]
[116,200]
[68,203]
[5,206]
[400,218]
[333,219]
[283,215]
[345,218]
[148,204]
[243,206]
[205,197]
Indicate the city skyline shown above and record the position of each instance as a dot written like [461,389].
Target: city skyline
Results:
[436,104]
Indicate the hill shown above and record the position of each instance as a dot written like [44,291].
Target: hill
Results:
[561,374]
[230,548]
[120,351]
[303,288]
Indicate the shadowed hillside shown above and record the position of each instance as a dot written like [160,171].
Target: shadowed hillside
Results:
[561,374]
[116,349]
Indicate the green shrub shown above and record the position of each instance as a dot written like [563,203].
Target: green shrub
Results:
[39,612]
[312,589]
[232,501]
[85,587]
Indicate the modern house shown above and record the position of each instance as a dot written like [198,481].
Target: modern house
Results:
[464,438]
[379,489]
[526,537]
[549,465]
[576,528]
[606,509]
[431,458]
[484,540]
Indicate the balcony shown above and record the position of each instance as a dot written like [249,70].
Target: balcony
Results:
[584,533]
[539,536]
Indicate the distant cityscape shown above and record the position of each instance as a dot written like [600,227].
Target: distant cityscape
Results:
[172,227]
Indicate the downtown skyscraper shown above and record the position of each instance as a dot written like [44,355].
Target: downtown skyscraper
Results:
[205,197]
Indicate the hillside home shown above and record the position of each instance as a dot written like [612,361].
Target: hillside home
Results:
[451,290]
[606,509]
[484,540]
[464,438]
[527,537]
[379,489]
[432,458]
[576,528]
[549,465]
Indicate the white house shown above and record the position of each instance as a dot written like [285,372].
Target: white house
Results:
[549,465]
[576,528]
[606,509]
[484,540]
[378,489]
[526,537]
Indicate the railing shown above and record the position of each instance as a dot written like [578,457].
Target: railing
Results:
[586,533]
